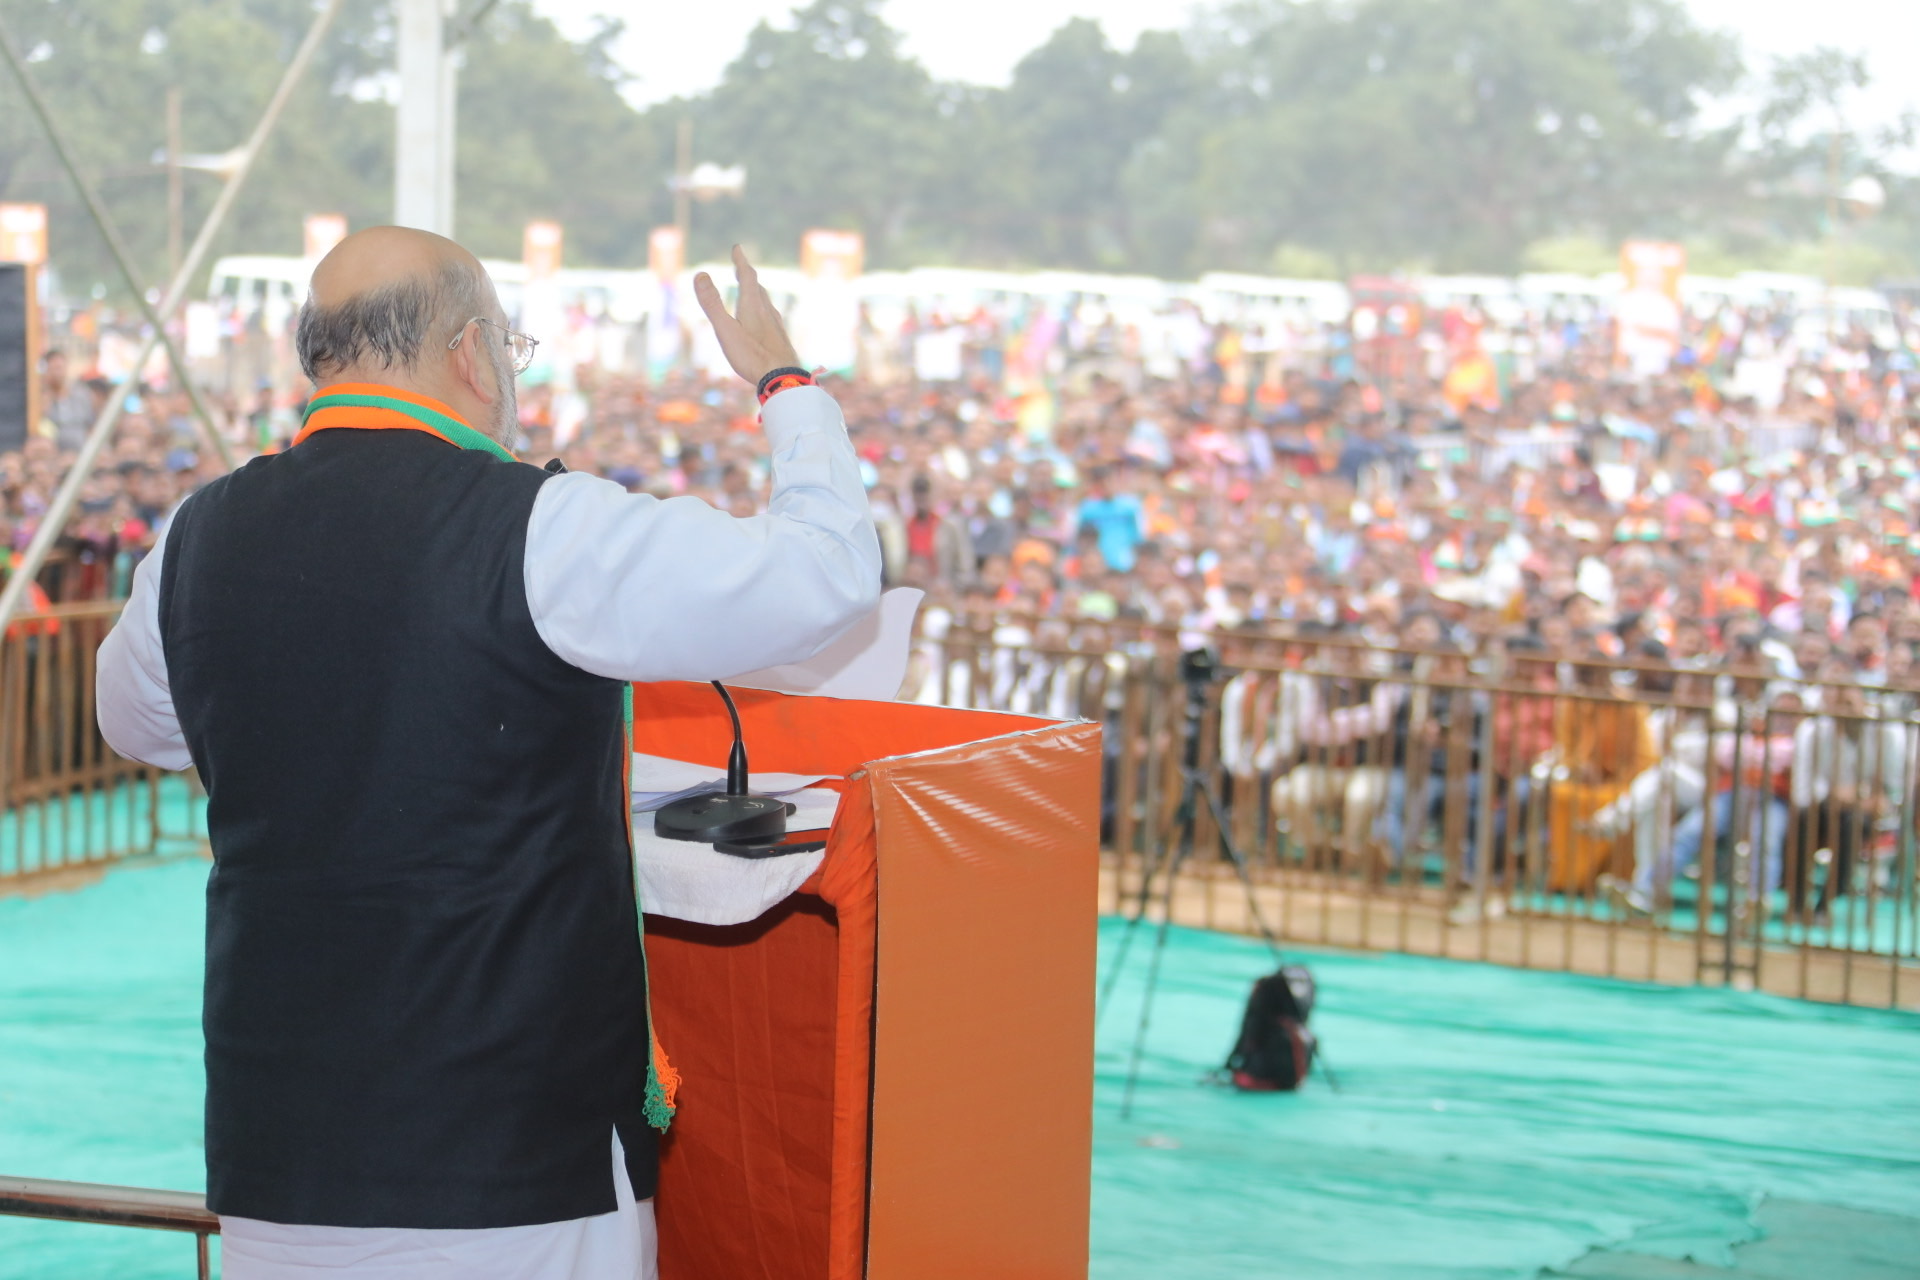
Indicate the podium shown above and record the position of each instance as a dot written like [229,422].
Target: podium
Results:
[889,1074]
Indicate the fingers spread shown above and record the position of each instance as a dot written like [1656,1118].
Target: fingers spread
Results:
[708,295]
[750,290]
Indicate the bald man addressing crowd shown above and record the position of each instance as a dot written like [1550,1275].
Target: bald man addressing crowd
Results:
[399,659]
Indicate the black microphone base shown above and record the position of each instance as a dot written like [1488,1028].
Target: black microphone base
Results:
[723,819]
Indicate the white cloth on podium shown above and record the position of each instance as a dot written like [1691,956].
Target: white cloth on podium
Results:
[686,880]
[621,1245]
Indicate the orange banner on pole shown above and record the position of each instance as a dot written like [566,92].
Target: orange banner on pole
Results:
[833,255]
[666,252]
[540,249]
[23,233]
[1647,316]
[322,231]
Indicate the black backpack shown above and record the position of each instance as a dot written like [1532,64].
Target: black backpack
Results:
[1275,1050]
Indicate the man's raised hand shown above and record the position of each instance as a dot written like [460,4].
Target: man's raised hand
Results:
[755,341]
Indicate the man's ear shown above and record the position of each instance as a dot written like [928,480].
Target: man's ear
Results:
[469,365]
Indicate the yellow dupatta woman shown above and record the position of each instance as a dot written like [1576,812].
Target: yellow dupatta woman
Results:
[1603,744]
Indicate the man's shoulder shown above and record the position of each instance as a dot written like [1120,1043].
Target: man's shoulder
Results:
[514,472]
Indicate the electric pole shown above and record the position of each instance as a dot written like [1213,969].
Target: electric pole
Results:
[424,145]
[682,169]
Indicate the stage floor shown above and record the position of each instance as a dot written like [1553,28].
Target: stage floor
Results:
[1504,1123]
[1490,1123]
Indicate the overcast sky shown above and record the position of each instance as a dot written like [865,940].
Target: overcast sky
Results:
[681,48]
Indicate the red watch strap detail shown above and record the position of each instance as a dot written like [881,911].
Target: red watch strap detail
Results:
[784,382]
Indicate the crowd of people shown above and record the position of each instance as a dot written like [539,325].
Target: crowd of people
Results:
[1544,497]
[156,457]
[1482,496]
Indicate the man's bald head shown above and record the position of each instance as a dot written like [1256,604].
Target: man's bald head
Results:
[382,295]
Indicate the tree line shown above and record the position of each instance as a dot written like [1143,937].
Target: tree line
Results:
[1309,137]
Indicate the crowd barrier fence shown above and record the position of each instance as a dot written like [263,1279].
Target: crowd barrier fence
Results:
[1620,819]
[1684,831]
[70,804]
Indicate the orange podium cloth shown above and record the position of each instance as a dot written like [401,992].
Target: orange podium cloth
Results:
[889,1075]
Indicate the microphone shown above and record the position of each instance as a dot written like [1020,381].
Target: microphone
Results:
[733,819]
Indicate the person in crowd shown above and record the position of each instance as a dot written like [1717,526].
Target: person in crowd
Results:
[1436,744]
[1113,517]
[938,546]
[69,407]
[1675,785]
[1343,722]
[1753,772]
[1602,742]
[1849,783]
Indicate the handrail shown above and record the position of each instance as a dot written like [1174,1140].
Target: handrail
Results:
[104,1205]
[111,1206]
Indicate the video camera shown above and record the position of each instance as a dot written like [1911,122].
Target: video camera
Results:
[1199,667]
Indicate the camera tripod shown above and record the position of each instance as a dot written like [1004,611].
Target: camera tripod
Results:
[1199,675]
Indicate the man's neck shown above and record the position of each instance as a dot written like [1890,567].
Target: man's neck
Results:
[382,378]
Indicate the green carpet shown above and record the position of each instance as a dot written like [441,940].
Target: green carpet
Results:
[1491,1123]
[1495,1123]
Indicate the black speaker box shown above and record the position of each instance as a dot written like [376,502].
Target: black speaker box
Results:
[16,367]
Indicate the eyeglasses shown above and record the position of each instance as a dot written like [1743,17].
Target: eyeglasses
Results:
[519,346]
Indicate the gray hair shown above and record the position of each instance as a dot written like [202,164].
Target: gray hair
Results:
[390,324]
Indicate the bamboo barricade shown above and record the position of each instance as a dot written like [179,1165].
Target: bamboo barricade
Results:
[1621,820]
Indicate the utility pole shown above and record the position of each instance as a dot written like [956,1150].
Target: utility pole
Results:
[682,194]
[424,144]
[176,193]
[1833,217]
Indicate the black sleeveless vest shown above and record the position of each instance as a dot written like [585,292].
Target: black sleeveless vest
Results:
[425,998]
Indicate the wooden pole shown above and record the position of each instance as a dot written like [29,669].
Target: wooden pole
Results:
[176,191]
[682,197]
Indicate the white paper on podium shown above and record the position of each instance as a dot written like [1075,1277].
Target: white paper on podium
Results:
[867,662]
[689,881]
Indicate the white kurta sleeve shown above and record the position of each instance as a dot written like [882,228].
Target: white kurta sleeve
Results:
[133,701]
[637,588]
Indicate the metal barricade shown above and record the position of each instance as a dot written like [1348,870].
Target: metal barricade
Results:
[69,804]
[1683,831]
[1613,818]
[114,1207]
